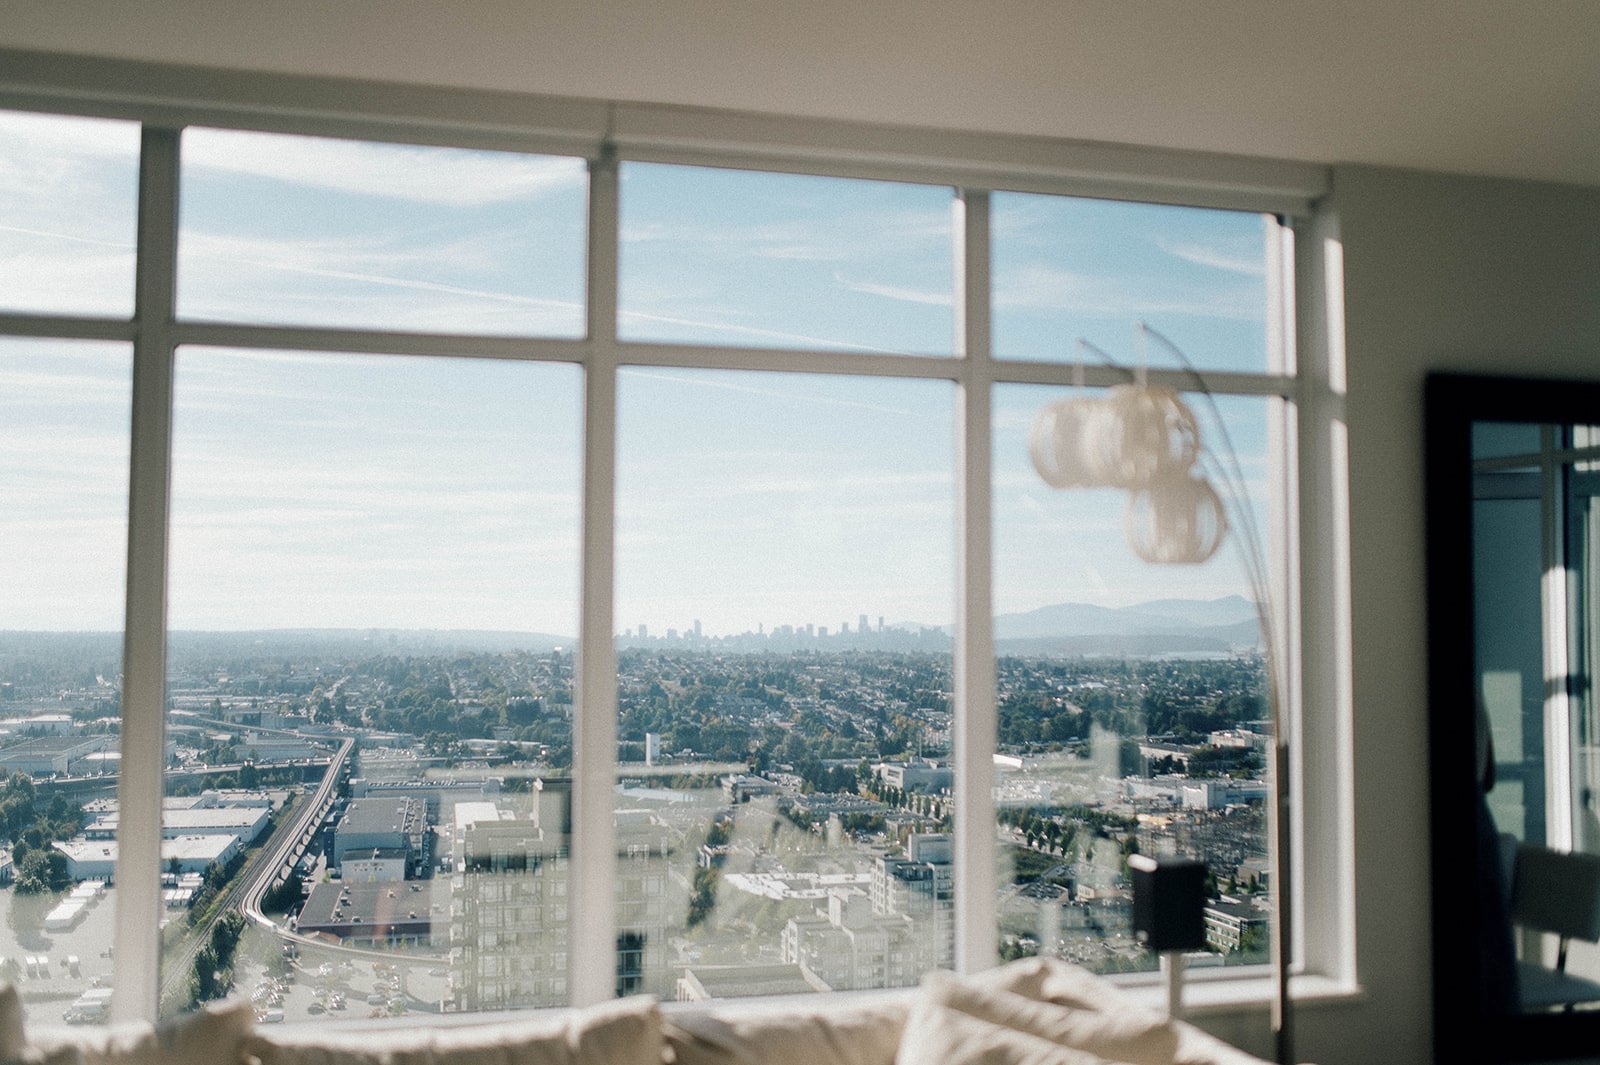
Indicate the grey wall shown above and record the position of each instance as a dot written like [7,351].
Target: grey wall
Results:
[1441,272]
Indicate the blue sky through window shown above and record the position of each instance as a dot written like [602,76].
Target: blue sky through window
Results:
[327,490]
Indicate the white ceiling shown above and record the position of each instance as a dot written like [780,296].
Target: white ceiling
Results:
[1502,87]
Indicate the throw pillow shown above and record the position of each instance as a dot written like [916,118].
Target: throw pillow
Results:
[625,1032]
[1127,1034]
[212,1036]
[393,1046]
[937,1034]
[845,1030]
[1053,980]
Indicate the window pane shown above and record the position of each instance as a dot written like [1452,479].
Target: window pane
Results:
[1068,269]
[63,544]
[68,203]
[784,588]
[380,548]
[1533,514]
[1132,705]
[1500,440]
[308,231]
[784,261]
[1583,538]
[1508,571]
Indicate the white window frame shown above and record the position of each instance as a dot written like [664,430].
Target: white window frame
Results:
[1305,369]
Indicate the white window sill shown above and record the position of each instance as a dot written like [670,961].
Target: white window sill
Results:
[1206,992]
[1211,992]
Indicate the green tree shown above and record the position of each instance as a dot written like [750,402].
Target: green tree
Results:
[213,964]
[702,897]
[44,869]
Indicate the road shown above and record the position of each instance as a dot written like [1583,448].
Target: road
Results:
[244,892]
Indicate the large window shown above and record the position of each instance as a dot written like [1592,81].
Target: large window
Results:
[558,574]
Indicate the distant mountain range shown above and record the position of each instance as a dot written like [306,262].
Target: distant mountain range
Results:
[1163,626]
[1160,616]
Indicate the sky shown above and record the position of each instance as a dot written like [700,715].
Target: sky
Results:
[344,491]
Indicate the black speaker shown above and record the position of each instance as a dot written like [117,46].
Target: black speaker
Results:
[1169,899]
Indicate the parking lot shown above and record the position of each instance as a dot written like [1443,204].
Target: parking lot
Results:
[320,985]
[49,990]
[329,984]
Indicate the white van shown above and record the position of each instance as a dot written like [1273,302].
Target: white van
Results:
[92,1007]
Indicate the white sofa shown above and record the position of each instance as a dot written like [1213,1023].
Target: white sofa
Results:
[1032,1012]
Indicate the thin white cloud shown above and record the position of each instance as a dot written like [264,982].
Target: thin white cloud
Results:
[707,324]
[862,236]
[450,177]
[790,395]
[64,181]
[62,274]
[213,487]
[897,292]
[73,476]
[396,251]
[55,135]
[1037,287]
[880,487]
[121,245]
[1217,258]
[216,392]
[21,388]
[303,258]
[255,356]
[791,241]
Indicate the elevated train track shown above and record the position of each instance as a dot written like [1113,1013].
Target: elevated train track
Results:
[267,869]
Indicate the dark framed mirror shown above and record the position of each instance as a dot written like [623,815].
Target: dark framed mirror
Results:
[1513,534]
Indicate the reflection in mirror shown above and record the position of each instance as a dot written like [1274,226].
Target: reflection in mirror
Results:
[1513,469]
[1535,576]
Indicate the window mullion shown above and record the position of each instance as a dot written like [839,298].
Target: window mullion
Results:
[1318,693]
[591,901]
[1283,662]
[137,941]
[974,671]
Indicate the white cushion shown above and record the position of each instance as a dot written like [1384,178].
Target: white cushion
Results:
[626,1032]
[215,1035]
[1128,1034]
[1054,981]
[938,1034]
[834,1030]
[325,1046]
